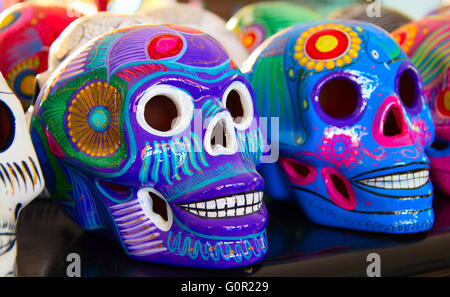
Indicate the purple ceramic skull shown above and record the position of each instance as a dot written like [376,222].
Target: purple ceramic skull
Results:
[354,124]
[150,133]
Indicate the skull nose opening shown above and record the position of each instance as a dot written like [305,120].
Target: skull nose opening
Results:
[393,124]
[389,128]
[7,127]
[219,135]
[159,206]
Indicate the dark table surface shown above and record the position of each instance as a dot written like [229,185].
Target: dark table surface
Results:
[297,247]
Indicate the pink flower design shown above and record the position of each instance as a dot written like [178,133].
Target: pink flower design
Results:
[420,131]
[340,150]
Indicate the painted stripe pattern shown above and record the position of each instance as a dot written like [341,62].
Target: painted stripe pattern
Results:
[20,177]
[432,56]
[139,236]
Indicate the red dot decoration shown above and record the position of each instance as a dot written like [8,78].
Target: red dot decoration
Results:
[342,45]
[164,46]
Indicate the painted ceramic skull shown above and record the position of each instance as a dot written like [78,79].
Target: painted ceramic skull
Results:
[21,179]
[150,133]
[26,32]
[256,22]
[200,19]
[353,126]
[427,42]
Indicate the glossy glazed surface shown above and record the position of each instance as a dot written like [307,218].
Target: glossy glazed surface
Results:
[175,194]
[350,104]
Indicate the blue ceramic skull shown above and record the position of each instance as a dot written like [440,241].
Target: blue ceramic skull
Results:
[149,134]
[353,126]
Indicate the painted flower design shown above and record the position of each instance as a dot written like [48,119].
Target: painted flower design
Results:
[420,131]
[340,150]
[93,120]
[405,36]
[327,46]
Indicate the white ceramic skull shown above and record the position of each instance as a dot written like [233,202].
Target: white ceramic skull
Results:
[20,175]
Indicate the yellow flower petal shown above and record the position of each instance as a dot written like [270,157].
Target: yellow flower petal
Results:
[347,59]
[353,53]
[356,40]
[330,64]
[355,46]
[311,64]
[299,55]
[303,61]
[319,66]
[340,62]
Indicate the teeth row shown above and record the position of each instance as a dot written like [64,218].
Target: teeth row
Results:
[409,180]
[232,206]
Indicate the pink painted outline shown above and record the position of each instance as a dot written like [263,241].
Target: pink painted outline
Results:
[333,193]
[405,137]
[295,177]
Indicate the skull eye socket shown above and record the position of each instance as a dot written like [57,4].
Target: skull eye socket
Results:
[165,110]
[408,88]
[238,101]
[7,127]
[160,113]
[338,98]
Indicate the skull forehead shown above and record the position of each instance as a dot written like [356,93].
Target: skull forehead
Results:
[164,45]
[87,28]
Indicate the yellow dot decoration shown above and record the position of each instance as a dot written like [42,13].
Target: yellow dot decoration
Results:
[326,43]
[327,46]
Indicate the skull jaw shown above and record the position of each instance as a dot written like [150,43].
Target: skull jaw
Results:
[181,246]
[399,216]
[190,250]
[181,238]
[323,212]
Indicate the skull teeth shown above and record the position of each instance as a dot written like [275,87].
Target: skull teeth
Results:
[226,207]
[404,181]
